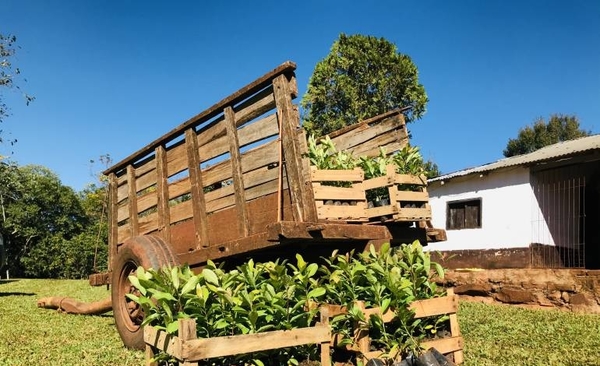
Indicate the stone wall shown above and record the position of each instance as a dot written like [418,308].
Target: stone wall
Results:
[576,290]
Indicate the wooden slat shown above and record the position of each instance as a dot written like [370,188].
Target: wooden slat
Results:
[177,159]
[241,94]
[146,181]
[446,345]
[374,136]
[163,341]
[302,199]
[382,181]
[256,106]
[412,196]
[146,201]
[187,333]
[410,179]
[162,194]
[259,130]
[348,213]
[414,214]
[141,167]
[236,167]
[199,349]
[113,228]
[132,196]
[381,211]
[338,193]
[361,125]
[123,233]
[436,306]
[197,189]
[356,175]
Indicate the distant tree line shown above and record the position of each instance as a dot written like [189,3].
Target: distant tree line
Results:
[49,230]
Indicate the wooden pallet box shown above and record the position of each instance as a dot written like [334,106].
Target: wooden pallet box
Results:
[407,195]
[339,194]
[190,350]
[448,305]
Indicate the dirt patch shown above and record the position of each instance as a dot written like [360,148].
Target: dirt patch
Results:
[574,290]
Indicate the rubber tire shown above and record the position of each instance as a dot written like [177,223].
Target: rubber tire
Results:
[148,251]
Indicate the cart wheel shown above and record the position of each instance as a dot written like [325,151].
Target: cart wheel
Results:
[149,252]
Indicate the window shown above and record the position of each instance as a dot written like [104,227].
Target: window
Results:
[463,214]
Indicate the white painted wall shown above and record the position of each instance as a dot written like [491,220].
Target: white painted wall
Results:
[507,208]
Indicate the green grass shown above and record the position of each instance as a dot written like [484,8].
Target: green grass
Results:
[33,336]
[507,335]
[494,335]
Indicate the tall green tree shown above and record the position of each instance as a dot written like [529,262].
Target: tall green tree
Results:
[541,133]
[361,77]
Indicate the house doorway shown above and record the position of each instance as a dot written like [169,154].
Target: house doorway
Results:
[566,216]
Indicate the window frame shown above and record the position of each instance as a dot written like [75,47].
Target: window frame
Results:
[463,203]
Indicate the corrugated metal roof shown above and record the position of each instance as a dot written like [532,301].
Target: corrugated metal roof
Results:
[551,152]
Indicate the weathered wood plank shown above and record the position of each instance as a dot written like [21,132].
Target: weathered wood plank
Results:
[446,345]
[187,333]
[346,213]
[412,196]
[364,124]
[113,227]
[355,193]
[414,214]
[259,130]
[255,106]
[377,182]
[410,179]
[302,199]
[308,230]
[236,167]
[132,196]
[146,201]
[177,159]
[374,136]
[241,94]
[196,189]
[146,181]
[199,349]
[355,175]
[162,194]
[163,341]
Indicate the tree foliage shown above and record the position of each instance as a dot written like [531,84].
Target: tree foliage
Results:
[361,77]
[8,75]
[531,138]
[50,231]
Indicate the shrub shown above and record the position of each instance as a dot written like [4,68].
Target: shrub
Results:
[259,297]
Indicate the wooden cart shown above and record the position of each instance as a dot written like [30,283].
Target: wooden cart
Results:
[232,182]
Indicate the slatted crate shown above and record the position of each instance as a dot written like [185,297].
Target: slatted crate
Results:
[408,197]
[448,305]
[339,194]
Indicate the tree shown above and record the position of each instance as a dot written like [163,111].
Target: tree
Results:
[8,75]
[531,138]
[50,231]
[361,77]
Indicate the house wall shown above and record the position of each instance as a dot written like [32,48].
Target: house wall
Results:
[507,203]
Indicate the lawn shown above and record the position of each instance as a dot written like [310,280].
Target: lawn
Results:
[494,335]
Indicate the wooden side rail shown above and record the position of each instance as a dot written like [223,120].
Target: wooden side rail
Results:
[189,350]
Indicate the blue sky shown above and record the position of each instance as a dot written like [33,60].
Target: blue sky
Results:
[111,76]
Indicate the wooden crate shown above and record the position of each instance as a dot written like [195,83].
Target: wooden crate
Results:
[190,350]
[447,305]
[404,205]
[336,202]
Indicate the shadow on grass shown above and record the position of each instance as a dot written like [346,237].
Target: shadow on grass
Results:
[2,294]
[7,281]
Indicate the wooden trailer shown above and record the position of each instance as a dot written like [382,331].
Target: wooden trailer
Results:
[234,181]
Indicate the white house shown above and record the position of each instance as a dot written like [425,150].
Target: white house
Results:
[545,206]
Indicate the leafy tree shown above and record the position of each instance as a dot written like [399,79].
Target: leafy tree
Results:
[361,77]
[50,230]
[531,138]
[8,74]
